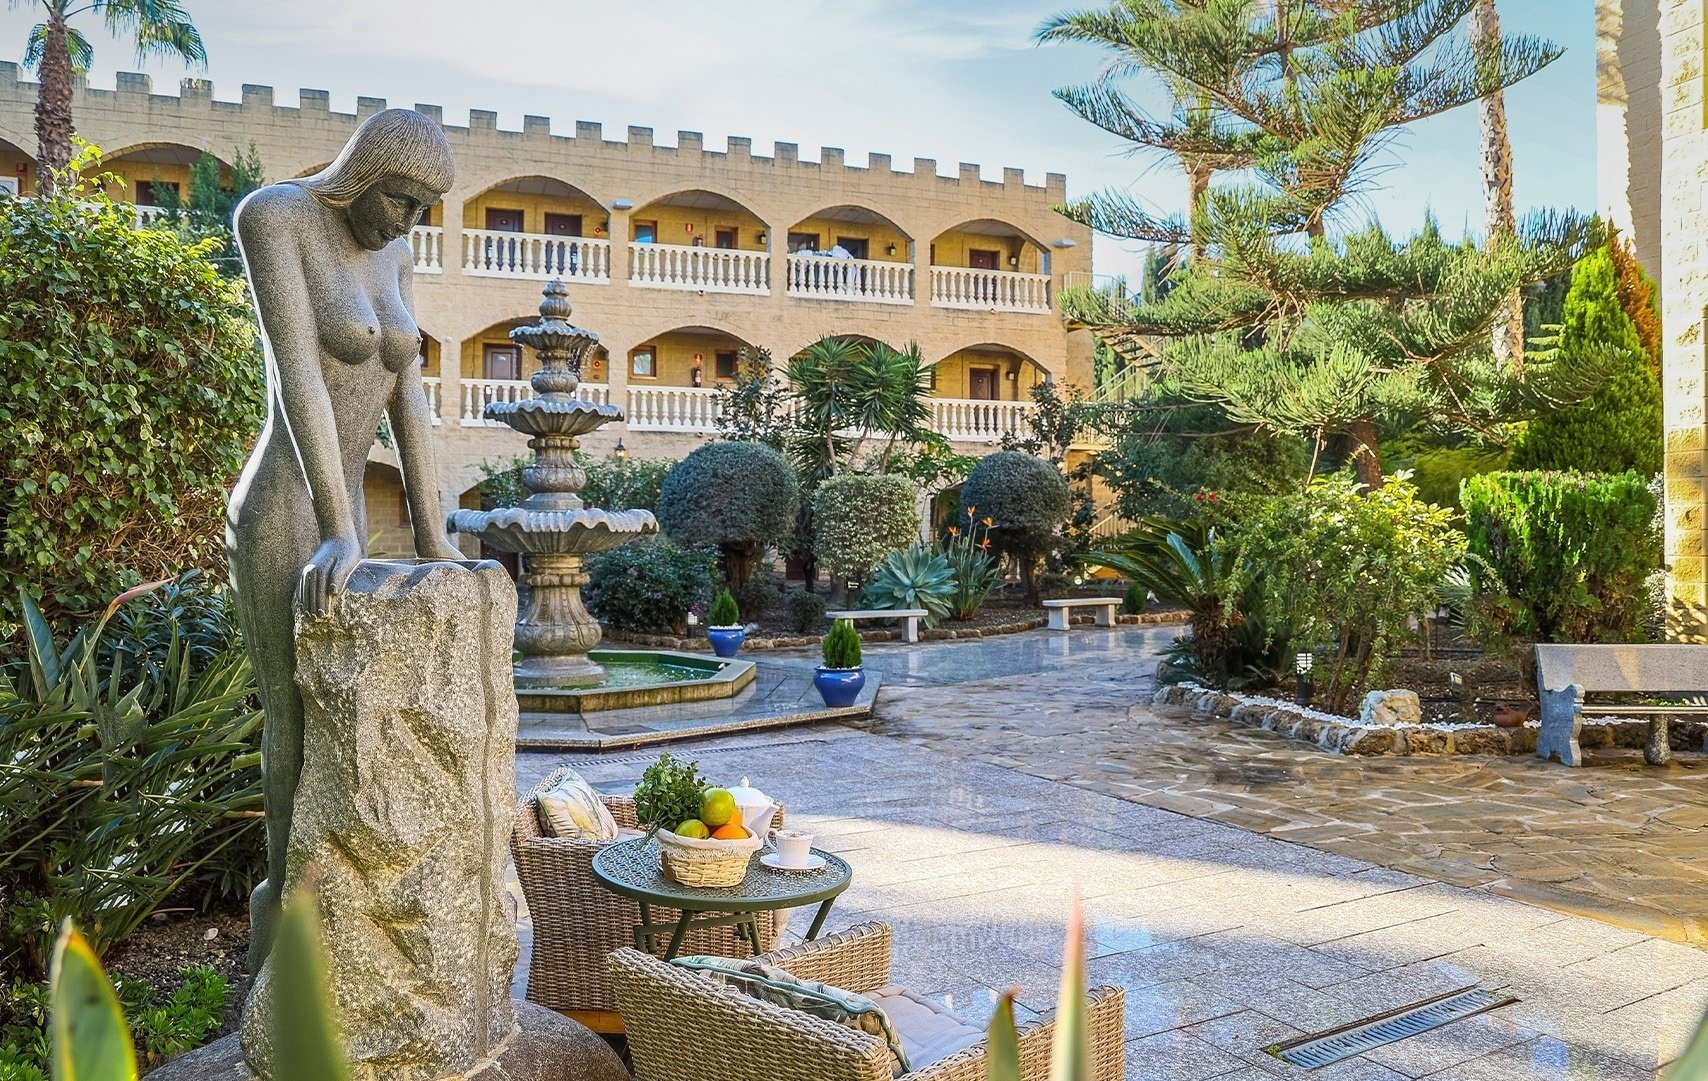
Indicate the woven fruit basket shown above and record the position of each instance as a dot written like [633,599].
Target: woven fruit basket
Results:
[690,861]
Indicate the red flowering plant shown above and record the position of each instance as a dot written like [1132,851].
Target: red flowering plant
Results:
[977,573]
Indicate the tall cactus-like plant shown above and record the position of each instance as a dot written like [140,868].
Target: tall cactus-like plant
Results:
[1070,1050]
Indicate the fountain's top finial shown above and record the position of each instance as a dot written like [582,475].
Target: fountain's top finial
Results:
[554,304]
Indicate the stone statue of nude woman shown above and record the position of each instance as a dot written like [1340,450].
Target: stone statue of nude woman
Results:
[331,272]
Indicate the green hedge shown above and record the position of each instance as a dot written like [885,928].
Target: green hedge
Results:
[1561,557]
[130,389]
[858,520]
[740,497]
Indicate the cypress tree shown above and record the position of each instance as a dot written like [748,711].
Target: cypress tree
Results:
[1618,427]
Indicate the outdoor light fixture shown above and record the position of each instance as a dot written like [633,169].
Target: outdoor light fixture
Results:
[760,236]
[620,452]
[622,204]
[1302,668]
[1063,242]
[891,250]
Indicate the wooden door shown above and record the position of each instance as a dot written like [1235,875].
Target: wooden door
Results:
[980,259]
[981,384]
[725,236]
[563,225]
[503,221]
[501,362]
[857,246]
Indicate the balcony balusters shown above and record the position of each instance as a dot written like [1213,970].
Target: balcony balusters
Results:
[989,290]
[494,253]
[821,277]
[710,270]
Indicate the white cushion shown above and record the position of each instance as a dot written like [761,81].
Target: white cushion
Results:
[570,808]
[928,1032]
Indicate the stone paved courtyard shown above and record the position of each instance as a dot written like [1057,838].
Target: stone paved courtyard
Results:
[968,833]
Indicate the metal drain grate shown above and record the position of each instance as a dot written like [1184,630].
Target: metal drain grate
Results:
[1332,1046]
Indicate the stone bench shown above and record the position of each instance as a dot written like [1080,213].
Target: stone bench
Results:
[1061,611]
[1565,673]
[910,631]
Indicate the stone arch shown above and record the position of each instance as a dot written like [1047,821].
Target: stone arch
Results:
[143,165]
[700,217]
[670,356]
[1009,372]
[17,168]
[883,232]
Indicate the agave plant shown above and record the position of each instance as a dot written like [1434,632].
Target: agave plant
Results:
[916,577]
[120,782]
[1070,1048]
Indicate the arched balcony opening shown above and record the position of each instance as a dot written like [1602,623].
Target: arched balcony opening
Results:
[536,228]
[989,265]
[850,253]
[496,369]
[677,379]
[156,176]
[17,170]
[983,391]
[699,240]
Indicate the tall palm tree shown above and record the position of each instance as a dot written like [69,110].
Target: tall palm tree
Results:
[1496,157]
[57,50]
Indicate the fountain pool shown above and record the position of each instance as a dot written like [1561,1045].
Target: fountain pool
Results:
[642,677]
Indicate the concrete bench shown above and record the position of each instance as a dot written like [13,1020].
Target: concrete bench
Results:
[1565,673]
[1061,611]
[910,632]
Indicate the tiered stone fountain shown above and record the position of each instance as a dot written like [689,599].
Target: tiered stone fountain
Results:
[553,528]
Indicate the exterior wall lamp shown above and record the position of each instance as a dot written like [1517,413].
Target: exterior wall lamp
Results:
[620,452]
[891,250]
[1303,690]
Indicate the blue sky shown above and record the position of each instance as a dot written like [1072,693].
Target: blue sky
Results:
[945,79]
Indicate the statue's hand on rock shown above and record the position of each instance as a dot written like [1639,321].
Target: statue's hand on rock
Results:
[328,571]
[439,550]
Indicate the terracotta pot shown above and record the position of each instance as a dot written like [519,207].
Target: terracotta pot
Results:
[1511,715]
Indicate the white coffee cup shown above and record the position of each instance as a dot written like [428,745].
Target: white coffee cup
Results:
[794,848]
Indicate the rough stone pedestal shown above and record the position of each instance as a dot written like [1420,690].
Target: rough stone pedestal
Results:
[401,819]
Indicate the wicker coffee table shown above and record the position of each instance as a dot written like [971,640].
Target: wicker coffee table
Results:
[630,868]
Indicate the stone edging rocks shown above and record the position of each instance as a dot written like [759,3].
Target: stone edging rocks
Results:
[1345,735]
[926,634]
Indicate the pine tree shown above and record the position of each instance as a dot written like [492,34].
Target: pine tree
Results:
[1619,426]
[1276,323]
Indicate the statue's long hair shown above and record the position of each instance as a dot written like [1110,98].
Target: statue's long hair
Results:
[393,142]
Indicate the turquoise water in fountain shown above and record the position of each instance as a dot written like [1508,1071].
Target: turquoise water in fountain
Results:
[647,673]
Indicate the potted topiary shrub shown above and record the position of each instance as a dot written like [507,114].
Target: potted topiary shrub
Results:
[723,625]
[840,677]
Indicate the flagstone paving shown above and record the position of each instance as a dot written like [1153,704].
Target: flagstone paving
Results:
[1617,839]
[1243,889]
[1225,940]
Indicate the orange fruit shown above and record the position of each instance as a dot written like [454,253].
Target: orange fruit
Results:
[730,831]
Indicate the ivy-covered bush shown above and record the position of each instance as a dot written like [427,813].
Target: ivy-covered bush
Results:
[859,520]
[1561,557]
[1619,426]
[1347,570]
[650,586]
[1026,501]
[740,497]
[132,388]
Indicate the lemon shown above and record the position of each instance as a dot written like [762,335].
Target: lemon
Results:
[692,828]
[717,807]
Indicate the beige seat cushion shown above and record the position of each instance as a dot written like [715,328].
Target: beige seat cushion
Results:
[928,1032]
[570,808]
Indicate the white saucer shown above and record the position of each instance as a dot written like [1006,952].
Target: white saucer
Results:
[814,862]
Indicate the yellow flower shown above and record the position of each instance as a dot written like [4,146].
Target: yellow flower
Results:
[971,511]
[985,544]
[954,531]
[988,523]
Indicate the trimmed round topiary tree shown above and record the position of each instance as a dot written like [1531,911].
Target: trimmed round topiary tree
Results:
[858,520]
[133,388]
[1026,501]
[740,497]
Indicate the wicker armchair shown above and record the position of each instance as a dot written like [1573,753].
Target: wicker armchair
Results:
[684,1026]
[577,921]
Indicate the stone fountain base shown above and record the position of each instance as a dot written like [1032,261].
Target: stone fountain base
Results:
[546,1047]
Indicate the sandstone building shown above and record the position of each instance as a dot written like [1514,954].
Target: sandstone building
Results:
[678,256]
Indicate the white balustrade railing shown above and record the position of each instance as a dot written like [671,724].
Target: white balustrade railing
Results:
[148,215]
[428,244]
[494,253]
[989,290]
[712,270]
[479,393]
[822,277]
[975,419]
[431,384]
[673,409]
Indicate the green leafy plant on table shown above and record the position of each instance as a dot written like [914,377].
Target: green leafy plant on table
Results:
[671,791]
[841,647]
[724,611]
[917,577]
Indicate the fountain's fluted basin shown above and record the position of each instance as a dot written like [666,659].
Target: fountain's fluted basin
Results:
[554,532]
